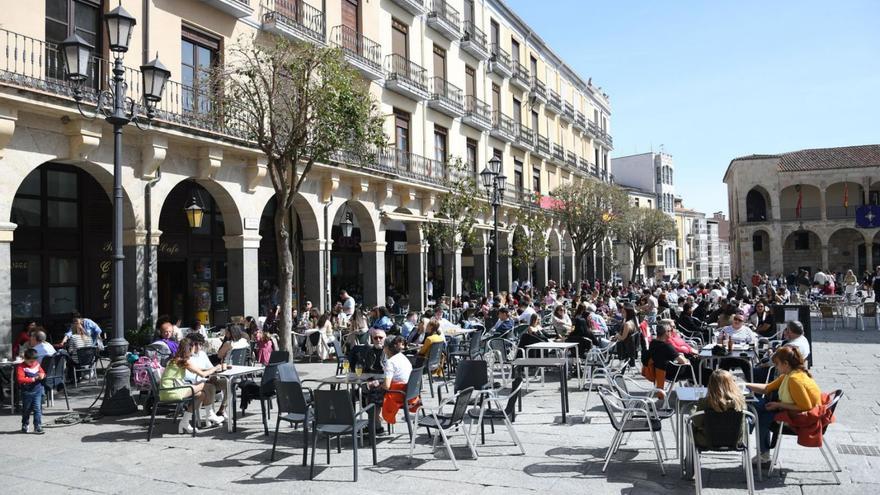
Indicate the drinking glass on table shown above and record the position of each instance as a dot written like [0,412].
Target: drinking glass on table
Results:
[358,370]
[345,366]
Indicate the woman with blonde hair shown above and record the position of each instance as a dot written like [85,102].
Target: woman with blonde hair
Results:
[722,395]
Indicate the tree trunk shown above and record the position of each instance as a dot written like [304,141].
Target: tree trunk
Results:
[637,263]
[578,263]
[285,276]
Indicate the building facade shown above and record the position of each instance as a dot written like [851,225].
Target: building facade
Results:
[693,244]
[801,210]
[456,78]
[652,173]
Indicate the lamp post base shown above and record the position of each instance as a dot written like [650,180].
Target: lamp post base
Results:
[117,392]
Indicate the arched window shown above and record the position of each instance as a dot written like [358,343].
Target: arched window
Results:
[756,207]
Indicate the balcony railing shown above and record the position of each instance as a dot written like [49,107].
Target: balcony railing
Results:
[580,120]
[411,165]
[525,136]
[447,97]
[357,46]
[807,213]
[474,41]
[543,145]
[539,89]
[554,101]
[520,196]
[294,17]
[406,72]
[521,75]
[504,125]
[558,153]
[235,8]
[840,212]
[593,129]
[500,59]
[568,111]
[477,113]
[571,158]
[583,164]
[445,18]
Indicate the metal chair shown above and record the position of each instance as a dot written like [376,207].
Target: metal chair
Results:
[294,408]
[470,374]
[498,355]
[238,357]
[435,363]
[177,403]
[87,362]
[473,350]
[507,414]
[267,390]
[825,449]
[335,416]
[447,424]
[727,432]
[55,366]
[630,416]
[413,392]
[340,356]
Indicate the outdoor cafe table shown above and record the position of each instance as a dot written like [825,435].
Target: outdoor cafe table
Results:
[741,352]
[562,364]
[349,379]
[561,346]
[231,374]
[687,397]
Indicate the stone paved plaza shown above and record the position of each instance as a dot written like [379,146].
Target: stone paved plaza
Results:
[112,455]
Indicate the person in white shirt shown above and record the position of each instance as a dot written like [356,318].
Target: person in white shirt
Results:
[739,332]
[39,344]
[347,303]
[397,369]
[525,313]
[794,337]
[820,278]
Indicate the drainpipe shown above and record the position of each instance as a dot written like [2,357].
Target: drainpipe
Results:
[326,274]
[148,254]
[145,32]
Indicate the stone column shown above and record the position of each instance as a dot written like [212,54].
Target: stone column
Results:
[481,266]
[140,275]
[415,274]
[540,275]
[777,263]
[824,257]
[452,273]
[505,269]
[869,252]
[6,229]
[569,268]
[242,274]
[373,256]
[823,213]
[555,269]
[314,279]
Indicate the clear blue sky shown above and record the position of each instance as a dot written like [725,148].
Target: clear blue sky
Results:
[715,80]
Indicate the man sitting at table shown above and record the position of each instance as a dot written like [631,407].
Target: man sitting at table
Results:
[504,323]
[664,354]
[794,337]
[738,331]
[369,356]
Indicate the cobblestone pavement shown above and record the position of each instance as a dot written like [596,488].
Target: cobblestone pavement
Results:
[112,455]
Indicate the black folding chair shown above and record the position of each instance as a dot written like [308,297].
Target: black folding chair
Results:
[447,424]
[435,363]
[335,416]
[86,362]
[178,404]
[294,409]
[340,356]
[238,357]
[472,351]
[55,366]
[507,415]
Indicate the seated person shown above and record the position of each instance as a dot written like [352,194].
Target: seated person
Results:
[409,324]
[794,337]
[722,395]
[739,331]
[397,371]
[664,354]
[89,326]
[582,330]
[504,323]
[525,312]
[264,346]
[533,335]
[432,336]
[235,339]
[79,338]
[174,376]
[561,322]
[39,344]
[417,335]
[762,320]
[200,358]
[796,391]
[380,318]
[369,357]
[165,334]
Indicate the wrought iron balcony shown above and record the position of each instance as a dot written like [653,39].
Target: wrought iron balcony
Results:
[543,147]
[525,137]
[503,127]
[571,158]
[473,41]
[499,61]
[520,77]
[608,140]
[519,196]
[414,7]
[558,153]
[593,130]
[477,113]
[538,89]
[235,8]
[580,121]
[361,52]
[554,102]
[410,165]
[446,98]
[294,18]
[406,77]
[567,112]
[583,164]
[445,19]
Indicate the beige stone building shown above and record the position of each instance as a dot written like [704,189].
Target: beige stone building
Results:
[454,78]
[799,210]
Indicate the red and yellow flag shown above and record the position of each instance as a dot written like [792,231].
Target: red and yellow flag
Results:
[846,194]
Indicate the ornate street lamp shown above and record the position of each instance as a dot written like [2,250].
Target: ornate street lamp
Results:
[494,181]
[118,110]
[194,214]
[346,224]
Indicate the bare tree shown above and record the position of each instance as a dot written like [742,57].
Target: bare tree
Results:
[642,230]
[532,245]
[301,105]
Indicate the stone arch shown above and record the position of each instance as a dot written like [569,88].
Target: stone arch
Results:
[810,202]
[849,192]
[758,207]
[803,249]
[223,195]
[846,251]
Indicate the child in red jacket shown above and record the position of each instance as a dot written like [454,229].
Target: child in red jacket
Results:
[29,376]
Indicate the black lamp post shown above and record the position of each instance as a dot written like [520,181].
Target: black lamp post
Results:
[494,180]
[118,110]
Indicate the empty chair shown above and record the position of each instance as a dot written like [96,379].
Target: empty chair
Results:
[721,432]
[825,448]
[447,424]
[264,391]
[293,408]
[473,348]
[335,416]
[54,366]
[470,374]
[506,415]
[340,356]
[630,416]
[499,356]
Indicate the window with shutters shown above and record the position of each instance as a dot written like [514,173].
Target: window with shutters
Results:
[399,42]
[470,81]
[67,17]
[439,62]
[199,54]
[401,130]
[440,143]
[472,159]
[536,179]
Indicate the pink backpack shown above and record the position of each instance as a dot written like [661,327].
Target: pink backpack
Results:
[140,372]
